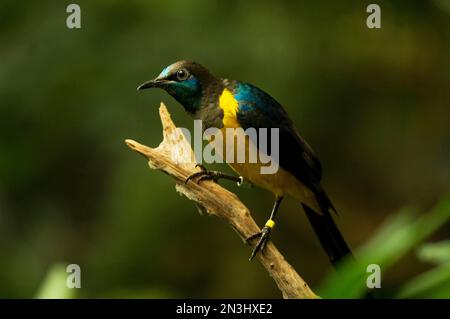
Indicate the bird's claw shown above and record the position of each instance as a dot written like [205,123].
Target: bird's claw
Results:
[204,174]
[208,176]
[264,236]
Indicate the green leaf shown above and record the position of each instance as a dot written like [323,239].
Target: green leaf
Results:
[432,284]
[436,253]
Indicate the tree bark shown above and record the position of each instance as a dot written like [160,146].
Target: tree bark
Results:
[217,201]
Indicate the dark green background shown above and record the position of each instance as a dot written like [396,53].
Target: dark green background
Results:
[374,104]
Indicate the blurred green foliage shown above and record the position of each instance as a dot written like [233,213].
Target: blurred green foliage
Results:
[374,104]
[391,243]
[434,283]
[54,284]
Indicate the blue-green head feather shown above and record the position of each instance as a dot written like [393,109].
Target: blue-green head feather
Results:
[184,80]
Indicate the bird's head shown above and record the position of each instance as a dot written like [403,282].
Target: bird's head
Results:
[185,81]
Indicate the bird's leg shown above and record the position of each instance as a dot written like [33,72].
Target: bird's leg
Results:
[264,235]
[204,174]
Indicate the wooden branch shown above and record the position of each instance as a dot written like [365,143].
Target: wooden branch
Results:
[216,200]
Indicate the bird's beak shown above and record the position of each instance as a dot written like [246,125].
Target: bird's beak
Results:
[150,84]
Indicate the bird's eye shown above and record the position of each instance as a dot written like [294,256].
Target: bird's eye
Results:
[182,75]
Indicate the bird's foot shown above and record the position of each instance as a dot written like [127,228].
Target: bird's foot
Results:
[263,236]
[205,174]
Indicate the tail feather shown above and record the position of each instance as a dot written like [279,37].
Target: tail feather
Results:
[326,230]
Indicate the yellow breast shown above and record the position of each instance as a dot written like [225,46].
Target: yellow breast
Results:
[229,105]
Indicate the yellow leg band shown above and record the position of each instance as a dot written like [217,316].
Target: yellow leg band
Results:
[270,223]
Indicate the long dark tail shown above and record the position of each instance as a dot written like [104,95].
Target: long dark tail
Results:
[326,230]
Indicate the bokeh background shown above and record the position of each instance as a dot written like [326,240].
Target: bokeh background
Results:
[373,103]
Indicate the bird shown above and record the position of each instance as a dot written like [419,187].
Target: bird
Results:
[224,104]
